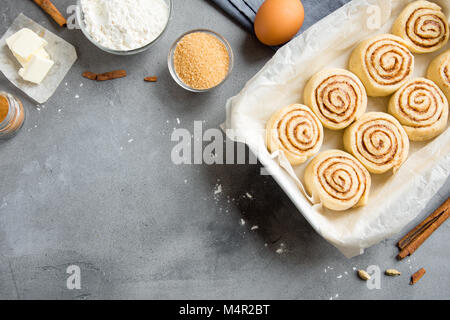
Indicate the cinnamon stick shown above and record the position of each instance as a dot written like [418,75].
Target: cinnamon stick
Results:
[151,79]
[416,237]
[90,75]
[417,276]
[116,74]
[52,11]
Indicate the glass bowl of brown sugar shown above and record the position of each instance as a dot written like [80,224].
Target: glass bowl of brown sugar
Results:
[200,60]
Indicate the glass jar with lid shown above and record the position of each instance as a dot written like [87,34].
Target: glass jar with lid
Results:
[12,115]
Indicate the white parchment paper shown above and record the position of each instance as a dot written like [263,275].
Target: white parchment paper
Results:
[394,200]
[61,52]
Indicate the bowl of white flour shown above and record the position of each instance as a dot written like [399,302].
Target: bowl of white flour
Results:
[123,27]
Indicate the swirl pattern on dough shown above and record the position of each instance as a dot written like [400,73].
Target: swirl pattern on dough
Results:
[439,72]
[423,26]
[387,62]
[422,109]
[446,71]
[337,97]
[378,141]
[296,131]
[337,180]
[383,63]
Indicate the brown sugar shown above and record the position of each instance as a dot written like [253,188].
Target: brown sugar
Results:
[4,108]
[201,60]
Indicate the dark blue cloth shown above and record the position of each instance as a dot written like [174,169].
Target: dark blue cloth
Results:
[244,11]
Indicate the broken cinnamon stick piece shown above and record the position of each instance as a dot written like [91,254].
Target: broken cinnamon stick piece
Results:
[417,276]
[116,74]
[90,75]
[414,239]
[151,79]
[52,11]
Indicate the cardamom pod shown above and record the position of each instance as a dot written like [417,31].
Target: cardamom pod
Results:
[392,272]
[363,275]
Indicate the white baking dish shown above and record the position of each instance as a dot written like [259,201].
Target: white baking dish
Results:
[394,200]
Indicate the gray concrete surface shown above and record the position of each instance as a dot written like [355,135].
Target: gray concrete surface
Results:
[75,191]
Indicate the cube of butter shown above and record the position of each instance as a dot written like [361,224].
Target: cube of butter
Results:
[36,69]
[10,41]
[41,53]
[24,43]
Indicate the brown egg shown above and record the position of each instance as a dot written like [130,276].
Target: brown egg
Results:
[278,21]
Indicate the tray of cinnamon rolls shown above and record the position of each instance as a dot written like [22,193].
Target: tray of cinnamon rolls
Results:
[351,118]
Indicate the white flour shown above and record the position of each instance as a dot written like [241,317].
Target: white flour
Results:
[125,24]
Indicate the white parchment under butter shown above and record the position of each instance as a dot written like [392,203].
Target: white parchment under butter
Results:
[394,200]
[61,52]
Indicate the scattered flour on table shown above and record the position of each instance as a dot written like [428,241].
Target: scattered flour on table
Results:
[125,24]
[218,189]
[281,249]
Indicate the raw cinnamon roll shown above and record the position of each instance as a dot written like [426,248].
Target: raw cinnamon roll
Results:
[423,26]
[296,131]
[439,72]
[337,97]
[337,180]
[383,63]
[378,141]
[422,109]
